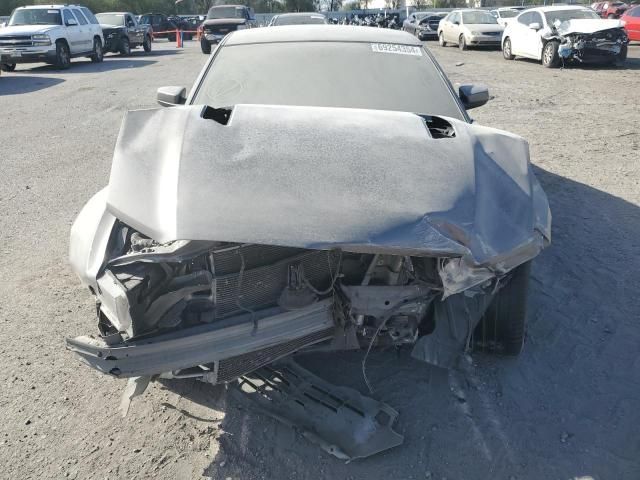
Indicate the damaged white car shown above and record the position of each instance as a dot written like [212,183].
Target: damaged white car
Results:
[559,34]
[319,186]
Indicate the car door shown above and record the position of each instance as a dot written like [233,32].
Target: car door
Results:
[452,28]
[85,31]
[633,23]
[411,24]
[134,30]
[519,33]
[532,44]
[72,27]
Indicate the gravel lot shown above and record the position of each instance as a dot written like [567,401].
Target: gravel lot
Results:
[568,407]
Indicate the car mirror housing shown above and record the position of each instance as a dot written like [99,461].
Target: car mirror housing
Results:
[171,96]
[535,26]
[473,96]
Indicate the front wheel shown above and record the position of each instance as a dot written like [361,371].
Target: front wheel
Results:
[550,57]
[441,40]
[506,49]
[205,46]
[125,46]
[8,67]
[503,326]
[147,44]
[98,54]
[462,43]
[63,57]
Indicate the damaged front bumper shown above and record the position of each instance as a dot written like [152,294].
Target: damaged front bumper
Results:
[219,350]
[600,47]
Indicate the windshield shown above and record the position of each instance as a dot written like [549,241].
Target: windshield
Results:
[36,16]
[226,12]
[300,20]
[478,18]
[372,76]
[110,19]
[508,13]
[574,14]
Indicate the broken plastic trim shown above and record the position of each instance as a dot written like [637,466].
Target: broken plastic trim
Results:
[340,420]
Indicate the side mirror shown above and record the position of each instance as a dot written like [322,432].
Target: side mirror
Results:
[456,23]
[72,22]
[171,96]
[473,96]
[535,26]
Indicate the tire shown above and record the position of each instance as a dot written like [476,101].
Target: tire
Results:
[611,16]
[98,53]
[506,49]
[147,44]
[63,56]
[441,40]
[462,42]
[503,326]
[550,57]
[171,37]
[125,46]
[205,46]
[8,67]
[621,58]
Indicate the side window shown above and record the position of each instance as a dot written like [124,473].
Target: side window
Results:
[80,17]
[90,16]
[130,22]
[525,18]
[66,16]
[455,18]
[536,18]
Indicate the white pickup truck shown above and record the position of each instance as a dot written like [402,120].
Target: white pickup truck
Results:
[52,34]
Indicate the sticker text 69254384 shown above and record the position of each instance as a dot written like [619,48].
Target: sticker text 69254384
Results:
[397,49]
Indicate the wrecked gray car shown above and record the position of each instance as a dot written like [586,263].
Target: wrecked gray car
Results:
[269,213]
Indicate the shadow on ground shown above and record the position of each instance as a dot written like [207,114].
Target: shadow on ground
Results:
[11,84]
[86,66]
[566,408]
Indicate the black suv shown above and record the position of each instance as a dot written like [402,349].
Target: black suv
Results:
[161,25]
[223,19]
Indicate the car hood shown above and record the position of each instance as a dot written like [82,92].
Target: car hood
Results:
[587,25]
[311,177]
[483,27]
[224,21]
[27,29]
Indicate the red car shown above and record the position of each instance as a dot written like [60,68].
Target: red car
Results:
[632,23]
[610,9]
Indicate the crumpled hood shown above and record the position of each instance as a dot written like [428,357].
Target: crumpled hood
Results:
[586,25]
[27,29]
[310,177]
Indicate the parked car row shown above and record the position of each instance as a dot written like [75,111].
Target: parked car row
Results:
[553,35]
[55,34]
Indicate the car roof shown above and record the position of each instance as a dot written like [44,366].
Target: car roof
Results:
[301,14]
[321,33]
[50,6]
[560,7]
[115,13]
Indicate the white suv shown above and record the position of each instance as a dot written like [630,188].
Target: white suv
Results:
[52,34]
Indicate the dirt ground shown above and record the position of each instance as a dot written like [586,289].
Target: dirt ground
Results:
[567,408]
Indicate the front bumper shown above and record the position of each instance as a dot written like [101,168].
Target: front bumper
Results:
[484,40]
[112,45]
[28,55]
[228,348]
[214,37]
[425,34]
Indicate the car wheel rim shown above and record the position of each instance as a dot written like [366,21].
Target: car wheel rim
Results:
[547,55]
[507,48]
[64,59]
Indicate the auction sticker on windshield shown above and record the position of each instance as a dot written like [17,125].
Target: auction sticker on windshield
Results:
[398,49]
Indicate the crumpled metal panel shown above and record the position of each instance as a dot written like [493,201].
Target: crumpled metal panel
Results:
[311,177]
